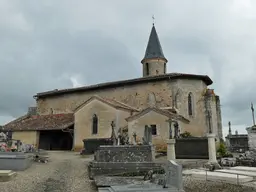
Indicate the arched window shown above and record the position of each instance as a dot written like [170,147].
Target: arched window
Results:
[190,104]
[94,124]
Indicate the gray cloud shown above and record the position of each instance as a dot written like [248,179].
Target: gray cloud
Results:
[47,44]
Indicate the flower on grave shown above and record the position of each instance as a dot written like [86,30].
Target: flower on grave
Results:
[13,147]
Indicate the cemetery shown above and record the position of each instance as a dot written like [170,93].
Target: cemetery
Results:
[16,156]
[133,167]
[121,166]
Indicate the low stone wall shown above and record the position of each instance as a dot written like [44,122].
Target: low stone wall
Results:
[191,148]
[124,153]
[16,161]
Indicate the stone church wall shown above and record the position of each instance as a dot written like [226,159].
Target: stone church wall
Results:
[105,114]
[166,93]
[133,95]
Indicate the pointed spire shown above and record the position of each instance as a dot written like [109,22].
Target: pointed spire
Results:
[154,49]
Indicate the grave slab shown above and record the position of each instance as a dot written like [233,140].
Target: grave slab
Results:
[224,177]
[244,168]
[105,181]
[246,173]
[139,188]
[6,175]
[172,182]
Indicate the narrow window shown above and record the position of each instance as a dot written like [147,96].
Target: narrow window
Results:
[154,131]
[147,69]
[164,68]
[94,124]
[190,107]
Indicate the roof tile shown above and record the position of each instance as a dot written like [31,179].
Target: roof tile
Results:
[41,122]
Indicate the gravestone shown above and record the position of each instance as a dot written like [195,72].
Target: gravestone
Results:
[147,135]
[134,138]
[173,173]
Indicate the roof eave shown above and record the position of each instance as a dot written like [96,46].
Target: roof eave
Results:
[205,78]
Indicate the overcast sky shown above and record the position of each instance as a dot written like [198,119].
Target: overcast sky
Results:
[48,44]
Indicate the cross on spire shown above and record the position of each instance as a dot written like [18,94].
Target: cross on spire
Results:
[153,18]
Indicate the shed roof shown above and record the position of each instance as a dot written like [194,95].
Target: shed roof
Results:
[41,122]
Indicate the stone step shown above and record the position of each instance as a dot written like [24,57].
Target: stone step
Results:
[105,189]
[7,175]
[223,177]
[138,188]
[246,173]
[244,168]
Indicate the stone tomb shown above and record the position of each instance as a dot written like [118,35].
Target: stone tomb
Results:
[252,142]
[173,182]
[123,153]
[17,161]
[123,159]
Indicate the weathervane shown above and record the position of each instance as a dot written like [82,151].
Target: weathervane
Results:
[153,18]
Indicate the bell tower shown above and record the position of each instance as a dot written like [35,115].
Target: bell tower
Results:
[154,62]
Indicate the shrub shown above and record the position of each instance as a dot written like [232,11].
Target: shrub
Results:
[161,148]
[186,134]
[222,151]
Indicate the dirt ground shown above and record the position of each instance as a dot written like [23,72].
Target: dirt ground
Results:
[66,172]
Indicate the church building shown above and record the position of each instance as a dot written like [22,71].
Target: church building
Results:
[63,118]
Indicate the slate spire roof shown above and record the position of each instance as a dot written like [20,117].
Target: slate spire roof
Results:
[154,48]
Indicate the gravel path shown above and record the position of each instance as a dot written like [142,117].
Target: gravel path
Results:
[66,172]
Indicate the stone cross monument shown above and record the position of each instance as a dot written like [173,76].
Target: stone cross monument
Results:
[113,134]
